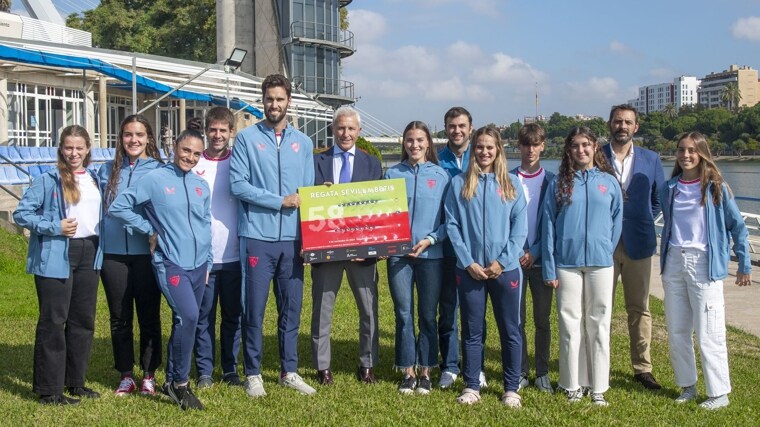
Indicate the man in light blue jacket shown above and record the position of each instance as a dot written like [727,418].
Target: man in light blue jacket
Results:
[270,160]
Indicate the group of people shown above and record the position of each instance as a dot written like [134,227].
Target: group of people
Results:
[218,225]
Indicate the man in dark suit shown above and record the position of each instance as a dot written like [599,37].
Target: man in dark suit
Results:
[343,163]
[640,174]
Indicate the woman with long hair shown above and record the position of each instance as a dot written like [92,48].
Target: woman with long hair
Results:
[61,209]
[426,186]
[487,224]
[127,276]
[582,222]
[701,220]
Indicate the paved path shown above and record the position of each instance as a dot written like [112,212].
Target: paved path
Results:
[742,303]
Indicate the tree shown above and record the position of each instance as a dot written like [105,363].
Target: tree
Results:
[175,28]
[731,96]
[670,111]
[343,18]
[5,5]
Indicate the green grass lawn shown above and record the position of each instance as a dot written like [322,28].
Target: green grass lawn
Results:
[348,402]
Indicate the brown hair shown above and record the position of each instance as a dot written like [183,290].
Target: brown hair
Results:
[430,154]
[276,80]
[68,181]
[531,134]
[708,170]
[499,167]
[151,149]
[456,112]
[219,114]
[623,107]
[567,167]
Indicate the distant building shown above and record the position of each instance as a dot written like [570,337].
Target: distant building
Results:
[713,85]
[683,91]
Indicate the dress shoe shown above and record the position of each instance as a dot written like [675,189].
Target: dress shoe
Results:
[83,392]
[366,375]
[325,377]
[647,380]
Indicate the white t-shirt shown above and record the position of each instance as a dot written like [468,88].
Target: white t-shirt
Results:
[624,169]
[87,211]
[688,230]
[338,162]
[224,221]
[531,184]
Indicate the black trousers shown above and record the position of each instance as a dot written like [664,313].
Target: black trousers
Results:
[131,286]
[67,322]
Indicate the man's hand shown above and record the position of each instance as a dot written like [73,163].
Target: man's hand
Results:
[527,260]
[69,227]
[477,272]
[743,279]
[419,247]
[553,283]
[494,270]
[291,201]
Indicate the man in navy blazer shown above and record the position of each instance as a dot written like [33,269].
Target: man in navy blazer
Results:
[343,162]
[640,174]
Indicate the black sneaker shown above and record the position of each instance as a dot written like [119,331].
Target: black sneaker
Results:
[184,397]
[165,388]
[58,399]
[408,385]
[423,385]
[232,379]
[83,392]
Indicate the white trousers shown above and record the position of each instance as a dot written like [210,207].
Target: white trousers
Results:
[584,304]
[694,304]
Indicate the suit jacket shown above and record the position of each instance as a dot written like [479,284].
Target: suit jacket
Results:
[643,202]
[366,168]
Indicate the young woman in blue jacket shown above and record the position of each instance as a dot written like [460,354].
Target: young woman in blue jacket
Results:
[62,209]
[487,224]
[176,214]
[426,186]
[582,222]
[128,279]
[701,220]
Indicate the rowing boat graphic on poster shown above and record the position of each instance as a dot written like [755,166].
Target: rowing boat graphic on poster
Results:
[355,220]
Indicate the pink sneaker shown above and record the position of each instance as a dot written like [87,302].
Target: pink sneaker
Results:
[126,386]
[148,386]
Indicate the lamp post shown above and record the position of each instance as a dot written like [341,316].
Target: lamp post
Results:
[231,64]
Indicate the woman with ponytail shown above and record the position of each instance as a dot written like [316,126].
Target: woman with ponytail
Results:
[128,278]
[61,209]
[487,224]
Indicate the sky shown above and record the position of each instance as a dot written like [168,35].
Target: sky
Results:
[416,58]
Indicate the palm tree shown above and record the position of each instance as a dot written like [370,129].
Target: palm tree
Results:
[731,96]
[670,111]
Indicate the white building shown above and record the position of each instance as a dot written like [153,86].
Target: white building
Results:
[683,91]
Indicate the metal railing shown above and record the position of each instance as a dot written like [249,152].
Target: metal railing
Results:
[327,33]
[325,86]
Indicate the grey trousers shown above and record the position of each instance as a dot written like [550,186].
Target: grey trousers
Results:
[326,281]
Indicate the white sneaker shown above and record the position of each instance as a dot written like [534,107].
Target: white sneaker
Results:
[598,399]
[254,386]
[687,394]
[482,380]
[574,396]
[447,379]
[524,382]
[294,381]
[544,384]
[713,403]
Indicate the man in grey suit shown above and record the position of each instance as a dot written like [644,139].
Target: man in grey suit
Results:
[343,163]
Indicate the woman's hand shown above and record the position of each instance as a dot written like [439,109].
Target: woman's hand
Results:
[494,270]
[419,248]
[743,279]
[553,283]
[69,227]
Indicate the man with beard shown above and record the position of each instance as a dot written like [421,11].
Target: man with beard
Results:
[270,160]
[639,172]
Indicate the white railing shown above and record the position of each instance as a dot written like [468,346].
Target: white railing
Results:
[34,29]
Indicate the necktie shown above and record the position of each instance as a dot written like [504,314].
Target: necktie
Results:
[345,169]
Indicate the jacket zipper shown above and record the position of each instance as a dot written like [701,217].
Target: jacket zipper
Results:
[585,238]
[485,194]
[415,170]
[129,181]
[279,174]
[189,223]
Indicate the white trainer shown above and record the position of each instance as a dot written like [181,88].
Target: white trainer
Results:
[524,382]
[447,379]
[254,386]
[713,403]
[294,381]
[687,394]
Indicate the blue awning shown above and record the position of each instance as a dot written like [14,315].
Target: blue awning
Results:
[144,84]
